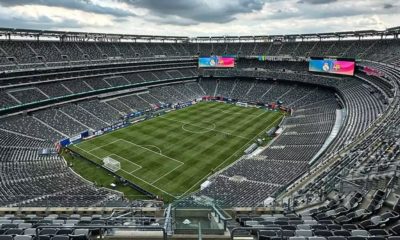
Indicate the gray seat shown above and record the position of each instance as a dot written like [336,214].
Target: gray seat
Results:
[18,221]
[30,231]
[6,237]
[23,237]
[297,238]
[58,221]
[88,219]
[360,233]
[356,238]
[310,222]
[64,231]
[268,233]
[343,233]
[60,237]
[78,237]
[250,223]
[81,231]
[14,231]
[96,217]
[337,238]
[71,222]
[48,231]
[304,233]
[316,238]
[24,225]
[304,227]
[75,216]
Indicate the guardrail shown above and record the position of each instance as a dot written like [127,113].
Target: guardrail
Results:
[103,229]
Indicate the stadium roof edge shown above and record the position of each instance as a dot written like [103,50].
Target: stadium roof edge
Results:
[84,36]
[395,31]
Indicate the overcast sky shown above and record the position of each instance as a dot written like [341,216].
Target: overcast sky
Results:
[201,17]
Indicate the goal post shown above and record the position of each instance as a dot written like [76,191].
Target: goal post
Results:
[111,164]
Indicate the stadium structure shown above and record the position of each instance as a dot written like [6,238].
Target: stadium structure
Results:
[235,137]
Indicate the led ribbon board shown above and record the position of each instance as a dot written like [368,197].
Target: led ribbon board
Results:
[217,62]
[342,67]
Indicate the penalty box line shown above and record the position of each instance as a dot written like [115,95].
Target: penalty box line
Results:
[121,139]
[173,159]
[130,174]
[99,147]
[170,158]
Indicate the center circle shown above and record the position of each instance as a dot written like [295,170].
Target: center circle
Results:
[192,128]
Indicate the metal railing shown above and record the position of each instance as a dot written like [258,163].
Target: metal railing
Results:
[103,229]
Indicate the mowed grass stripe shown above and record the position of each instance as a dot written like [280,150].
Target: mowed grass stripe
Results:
[125,174]
[235,155]
[224,121]
[200,153]
[152,163]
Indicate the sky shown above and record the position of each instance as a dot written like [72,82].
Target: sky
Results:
[201,17]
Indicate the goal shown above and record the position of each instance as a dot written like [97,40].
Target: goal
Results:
[111,164]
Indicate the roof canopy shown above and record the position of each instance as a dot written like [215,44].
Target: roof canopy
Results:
[89,36]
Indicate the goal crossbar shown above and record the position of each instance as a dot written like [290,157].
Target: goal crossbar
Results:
[111,164]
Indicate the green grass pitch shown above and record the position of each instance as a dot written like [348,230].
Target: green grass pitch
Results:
[171,155]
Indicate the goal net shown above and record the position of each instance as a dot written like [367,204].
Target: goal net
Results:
[111,164]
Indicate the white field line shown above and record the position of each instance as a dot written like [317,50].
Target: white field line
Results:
[120,140]
[154,147]
[167,173]
[257,115]
[173,159]
[231,156]
[206,131]
[91,150]
[142,146]
[240,113]
[130,174]
[186,123]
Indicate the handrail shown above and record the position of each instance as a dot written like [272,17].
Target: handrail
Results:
[103,228]
[221,215]
[168,220]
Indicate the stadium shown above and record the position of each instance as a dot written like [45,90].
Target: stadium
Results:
[128,136]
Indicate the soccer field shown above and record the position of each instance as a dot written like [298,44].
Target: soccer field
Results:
[171,155]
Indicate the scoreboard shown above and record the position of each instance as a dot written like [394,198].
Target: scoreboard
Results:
[216,62]
[332,66]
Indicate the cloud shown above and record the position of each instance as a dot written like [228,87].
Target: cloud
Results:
[41,23]
[325,9]
[82,5]
[44,17]
[189,12]
[317,1]
[388,6]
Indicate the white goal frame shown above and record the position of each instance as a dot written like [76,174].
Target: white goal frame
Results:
[111,164]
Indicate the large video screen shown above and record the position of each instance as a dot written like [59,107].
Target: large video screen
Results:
[217,62]
[343,67]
